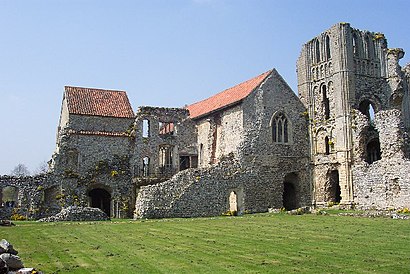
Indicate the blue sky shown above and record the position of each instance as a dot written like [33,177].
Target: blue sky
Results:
[163,53]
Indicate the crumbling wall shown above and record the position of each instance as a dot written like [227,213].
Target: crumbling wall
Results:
[385,183]
[30,200]
[159,128]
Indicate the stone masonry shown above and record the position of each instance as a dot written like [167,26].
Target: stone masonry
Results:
[344,139]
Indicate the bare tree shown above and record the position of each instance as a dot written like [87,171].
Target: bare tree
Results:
[42,168]
[20,170]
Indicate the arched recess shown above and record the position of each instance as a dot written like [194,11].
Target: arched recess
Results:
[289,197]
[100,198]
[281,128]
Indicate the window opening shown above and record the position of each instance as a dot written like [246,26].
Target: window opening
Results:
[328,47]
[145,128]
[166,128]
[317,49]
[325,103]
[355,45]
[280,129]
[145,167]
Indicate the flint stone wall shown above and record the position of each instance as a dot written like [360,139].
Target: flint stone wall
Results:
[30,195]
[384,184]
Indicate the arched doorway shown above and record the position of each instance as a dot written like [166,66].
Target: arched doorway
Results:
[289,197]
[100,198]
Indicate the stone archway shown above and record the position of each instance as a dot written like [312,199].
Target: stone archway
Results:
[100,198]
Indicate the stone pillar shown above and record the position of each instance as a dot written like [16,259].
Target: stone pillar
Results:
[395,80]
[389,125]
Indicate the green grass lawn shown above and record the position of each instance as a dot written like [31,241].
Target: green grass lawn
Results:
[257,243]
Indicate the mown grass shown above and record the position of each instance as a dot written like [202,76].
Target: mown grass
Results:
[259,243]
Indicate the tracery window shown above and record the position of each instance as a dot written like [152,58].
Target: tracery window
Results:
[280,129]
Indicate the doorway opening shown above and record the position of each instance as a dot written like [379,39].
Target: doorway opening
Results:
[100,198]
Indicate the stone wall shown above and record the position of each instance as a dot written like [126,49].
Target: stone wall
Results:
[383,184]
[26,197]
[220,134]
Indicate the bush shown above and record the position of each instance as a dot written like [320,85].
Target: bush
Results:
[230,213]
[18,217]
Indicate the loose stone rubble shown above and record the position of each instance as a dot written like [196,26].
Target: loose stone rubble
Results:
[74,213]
[10,263]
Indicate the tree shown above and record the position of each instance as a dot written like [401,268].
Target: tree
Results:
[20,170]
[42,168]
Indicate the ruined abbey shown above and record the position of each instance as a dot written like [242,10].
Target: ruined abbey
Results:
[342,140]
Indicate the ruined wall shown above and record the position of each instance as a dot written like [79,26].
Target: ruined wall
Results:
[157,129]
[25,196]
[383,184]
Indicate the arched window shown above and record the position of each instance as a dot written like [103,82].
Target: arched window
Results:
[317,51]
[355,45]
[366,107]
[280,129]
[325,102]
[328,47]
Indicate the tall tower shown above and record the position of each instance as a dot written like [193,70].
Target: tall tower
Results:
[341,73]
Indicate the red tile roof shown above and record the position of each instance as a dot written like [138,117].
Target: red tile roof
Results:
[227,97]
[98,102]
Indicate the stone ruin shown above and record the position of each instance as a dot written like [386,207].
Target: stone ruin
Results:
[343,140]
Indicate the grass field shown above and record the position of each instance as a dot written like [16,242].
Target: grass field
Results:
[256,243]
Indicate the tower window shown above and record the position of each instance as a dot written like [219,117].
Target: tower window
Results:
[328,47]
[325,102]
[317,51]
[355,45]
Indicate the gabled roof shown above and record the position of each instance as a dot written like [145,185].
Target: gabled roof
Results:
[227,97]
[98,102]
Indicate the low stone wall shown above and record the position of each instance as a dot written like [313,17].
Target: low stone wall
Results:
[192,193]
